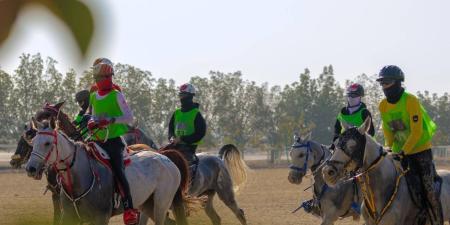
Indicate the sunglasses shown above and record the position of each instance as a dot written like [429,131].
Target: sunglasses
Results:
[386,82]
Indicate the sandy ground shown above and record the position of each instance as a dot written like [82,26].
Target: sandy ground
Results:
[267,198]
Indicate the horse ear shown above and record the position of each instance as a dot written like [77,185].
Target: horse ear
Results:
[365,126]
[346,126]
[59,105]
[307,136]
[135,124]
[36,124]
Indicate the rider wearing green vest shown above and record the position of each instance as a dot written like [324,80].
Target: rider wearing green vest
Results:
[81,119]
[110,116]
[187,127]
[408,130]
[355,113]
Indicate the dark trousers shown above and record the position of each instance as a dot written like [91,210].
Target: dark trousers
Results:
[421,164]
[114,147]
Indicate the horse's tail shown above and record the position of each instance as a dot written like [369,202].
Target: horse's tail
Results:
[235,165]
[181,200]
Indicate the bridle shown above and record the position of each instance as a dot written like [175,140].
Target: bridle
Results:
[46,157]
[304,168]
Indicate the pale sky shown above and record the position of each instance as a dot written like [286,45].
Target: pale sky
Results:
[269,41]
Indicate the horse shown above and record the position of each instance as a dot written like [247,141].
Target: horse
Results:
[157,181]
[23,148]
[329,203]
[386,199]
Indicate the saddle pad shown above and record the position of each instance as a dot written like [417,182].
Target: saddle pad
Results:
[102,156]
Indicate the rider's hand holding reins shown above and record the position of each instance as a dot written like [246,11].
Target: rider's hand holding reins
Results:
[101,123]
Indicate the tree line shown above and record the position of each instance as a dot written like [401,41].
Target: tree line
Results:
[237,111]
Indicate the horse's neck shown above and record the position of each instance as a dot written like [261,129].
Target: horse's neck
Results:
[381,178]
[67,126]
[321,154]
[80,174]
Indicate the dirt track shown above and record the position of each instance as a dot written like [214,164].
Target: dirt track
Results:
[268,198]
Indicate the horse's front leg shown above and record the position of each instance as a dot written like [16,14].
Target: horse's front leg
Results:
[56,208]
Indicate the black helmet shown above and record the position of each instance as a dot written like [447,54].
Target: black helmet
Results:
[392,73]
[82,96]
[355,90]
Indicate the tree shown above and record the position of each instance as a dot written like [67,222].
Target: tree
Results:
[7,107]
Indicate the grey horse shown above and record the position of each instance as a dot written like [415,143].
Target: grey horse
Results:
[157,182]
[386,197]
[328,203]
[222,176]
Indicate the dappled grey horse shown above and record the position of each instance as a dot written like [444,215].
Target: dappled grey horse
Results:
[386,197]
[222,176]
[328,203]
[156,182]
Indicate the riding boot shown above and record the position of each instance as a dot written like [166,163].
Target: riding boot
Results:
[428,174]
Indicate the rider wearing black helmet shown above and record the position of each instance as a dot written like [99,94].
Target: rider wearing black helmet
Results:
[355,113]
[408,130]
[81,119]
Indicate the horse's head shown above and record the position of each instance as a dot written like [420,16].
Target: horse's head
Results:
[44,144]
[349,155]
[24,147]
[302,158]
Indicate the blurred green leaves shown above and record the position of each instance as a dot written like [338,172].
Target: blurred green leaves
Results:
[74,14]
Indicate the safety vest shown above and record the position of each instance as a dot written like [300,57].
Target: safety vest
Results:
[108,107]
[184,123]
[397,120]
[354,119]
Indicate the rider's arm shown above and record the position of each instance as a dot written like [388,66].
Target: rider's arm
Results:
[127,116]
[200,130]
[171,127]
[416,123]
[388,135]
[366,114]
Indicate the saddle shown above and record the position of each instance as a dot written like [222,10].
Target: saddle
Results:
[99,154]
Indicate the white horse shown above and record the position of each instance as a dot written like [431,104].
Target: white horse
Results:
[328,203]
[386,197]
[87,191]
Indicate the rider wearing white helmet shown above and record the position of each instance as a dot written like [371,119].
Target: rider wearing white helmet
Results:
[187,127]
[110,116]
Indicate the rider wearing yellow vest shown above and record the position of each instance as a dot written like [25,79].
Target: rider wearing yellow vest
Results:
[187,127]
[355,113]
[110,114]
[408,130]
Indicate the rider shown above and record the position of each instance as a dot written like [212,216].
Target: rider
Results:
[110,111]
[355,113]
[408,130]
[81,119]
[187,127]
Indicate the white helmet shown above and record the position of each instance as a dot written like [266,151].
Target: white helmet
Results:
[187,89]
